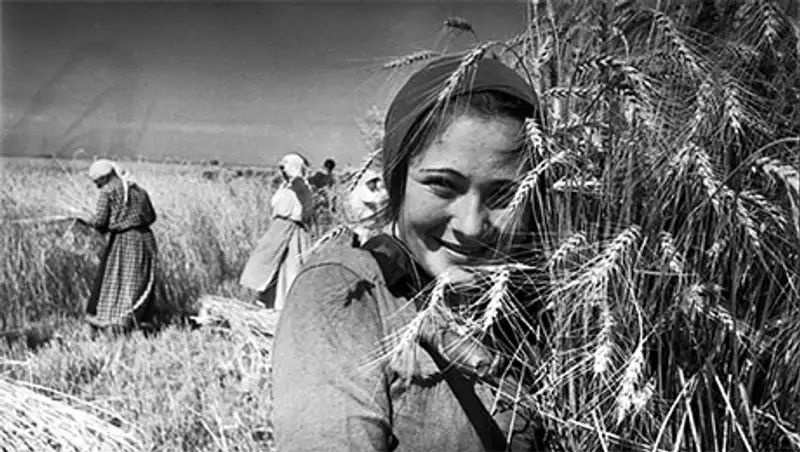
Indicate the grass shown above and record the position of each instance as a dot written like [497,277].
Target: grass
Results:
[204,389]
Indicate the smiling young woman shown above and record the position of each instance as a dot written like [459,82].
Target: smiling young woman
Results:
[457,190]
[451,165]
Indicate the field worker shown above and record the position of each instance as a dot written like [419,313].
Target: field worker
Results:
[123,291]
[278,255]
[324,178]
[364,203]
[453,153]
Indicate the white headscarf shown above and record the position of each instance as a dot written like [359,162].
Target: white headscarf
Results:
[104,167]
[294,165]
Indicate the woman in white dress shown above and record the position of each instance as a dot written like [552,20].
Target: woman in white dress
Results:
[278,255]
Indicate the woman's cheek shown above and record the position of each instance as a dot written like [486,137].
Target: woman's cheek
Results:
[431,206]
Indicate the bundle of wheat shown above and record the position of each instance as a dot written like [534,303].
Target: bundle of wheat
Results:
[240,317]
[32,421]
[663,263]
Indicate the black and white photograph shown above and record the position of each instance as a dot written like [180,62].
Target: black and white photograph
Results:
[400,225]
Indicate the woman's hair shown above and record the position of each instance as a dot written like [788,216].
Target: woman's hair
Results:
[433,123]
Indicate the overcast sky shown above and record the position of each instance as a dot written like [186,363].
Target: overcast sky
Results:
[243,82]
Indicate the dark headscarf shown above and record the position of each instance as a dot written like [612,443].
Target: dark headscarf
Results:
[419,95]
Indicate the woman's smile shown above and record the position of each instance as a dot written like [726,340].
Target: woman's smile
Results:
[463,254]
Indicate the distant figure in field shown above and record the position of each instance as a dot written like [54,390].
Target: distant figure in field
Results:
[123,290]
[323,183]
[364,203]
[324,178]
[278,255]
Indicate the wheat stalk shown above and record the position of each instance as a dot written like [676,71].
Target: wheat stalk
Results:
[362,169]
[410,59]
[732,106]
[688,56]
[694,302]
[530,181]
[568,247]
[459,23]
[674,262]
[621,244]
[787,175]
[457,77]
[630,379]
[591,283]
[604,349]
[399,349]
[495,297]
[695,157]
[771,23]
[583,92]
[703,106]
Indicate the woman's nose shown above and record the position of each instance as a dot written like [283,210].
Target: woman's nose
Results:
[470,216]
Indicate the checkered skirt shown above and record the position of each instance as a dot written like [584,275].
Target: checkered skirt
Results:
[126,278]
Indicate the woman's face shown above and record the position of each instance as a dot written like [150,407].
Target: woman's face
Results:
[456,192]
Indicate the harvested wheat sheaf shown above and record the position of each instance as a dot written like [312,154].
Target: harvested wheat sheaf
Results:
[243,318]
[32,421]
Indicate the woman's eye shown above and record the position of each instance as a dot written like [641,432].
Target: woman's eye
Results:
[442,186]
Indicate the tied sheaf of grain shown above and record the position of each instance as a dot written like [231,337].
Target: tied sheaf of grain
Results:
[32,421]
[240,317]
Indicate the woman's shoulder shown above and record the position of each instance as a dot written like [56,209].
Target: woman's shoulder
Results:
[340,284]
[342,255]
[136,186]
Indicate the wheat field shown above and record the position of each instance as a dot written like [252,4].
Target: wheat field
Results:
[187,389]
